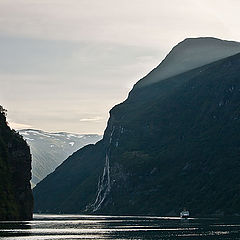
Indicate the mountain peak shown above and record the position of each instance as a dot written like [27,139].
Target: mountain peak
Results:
[195,39]
[189,54]
[206,41]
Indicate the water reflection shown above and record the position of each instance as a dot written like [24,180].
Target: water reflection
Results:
[120,227]
[9,228]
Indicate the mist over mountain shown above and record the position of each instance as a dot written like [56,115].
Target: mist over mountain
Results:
[49,150]
[173,143]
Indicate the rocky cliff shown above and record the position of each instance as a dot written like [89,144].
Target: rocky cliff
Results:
[16,201]
[173,143]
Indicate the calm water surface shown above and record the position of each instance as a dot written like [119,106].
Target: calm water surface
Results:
[120,227]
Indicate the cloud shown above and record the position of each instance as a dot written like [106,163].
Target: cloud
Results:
[136,22]
[94,119]
[61,60]
[18,126]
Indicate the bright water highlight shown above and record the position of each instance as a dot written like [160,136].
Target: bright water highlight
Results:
[45,227]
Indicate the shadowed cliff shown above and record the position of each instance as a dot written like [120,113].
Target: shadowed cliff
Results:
[16,201]
[173,143]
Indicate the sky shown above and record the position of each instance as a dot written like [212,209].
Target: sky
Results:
[65,63]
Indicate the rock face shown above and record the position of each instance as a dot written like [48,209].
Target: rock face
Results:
[49,150]
[16,201]
[173,143]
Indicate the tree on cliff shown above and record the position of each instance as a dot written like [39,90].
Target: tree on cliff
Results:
[3,111]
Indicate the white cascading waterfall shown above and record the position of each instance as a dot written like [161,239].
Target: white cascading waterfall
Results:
[104,184]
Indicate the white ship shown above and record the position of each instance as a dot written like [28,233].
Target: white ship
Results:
[184,214]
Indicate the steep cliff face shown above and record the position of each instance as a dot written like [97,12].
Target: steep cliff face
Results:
[16,201]
[166,147]
[176,144]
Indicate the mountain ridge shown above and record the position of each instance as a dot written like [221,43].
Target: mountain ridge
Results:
[164,148]
[182,57]
[49,150]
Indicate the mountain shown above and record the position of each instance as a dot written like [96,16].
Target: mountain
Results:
[16,200]
[171,144]
[189,54]
[49,150]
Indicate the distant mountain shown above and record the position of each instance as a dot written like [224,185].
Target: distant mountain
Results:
[49,150]
[173,143]
[16,200]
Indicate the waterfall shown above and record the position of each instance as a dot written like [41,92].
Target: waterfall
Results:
[104,186]
[104,183]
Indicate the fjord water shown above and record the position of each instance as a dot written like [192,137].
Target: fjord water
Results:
[120,227]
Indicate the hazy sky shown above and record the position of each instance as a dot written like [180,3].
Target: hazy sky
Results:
[65,63]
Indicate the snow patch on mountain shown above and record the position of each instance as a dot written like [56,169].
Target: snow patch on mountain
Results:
[49,150]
